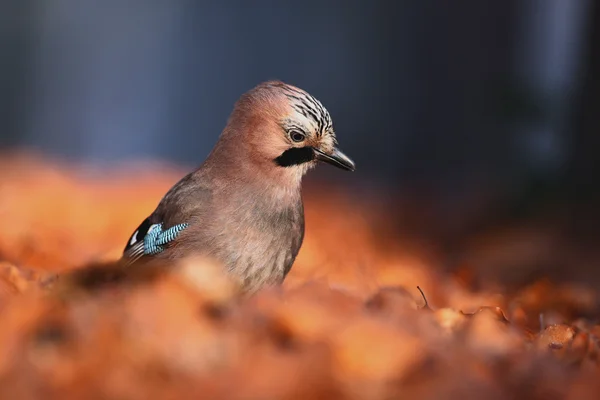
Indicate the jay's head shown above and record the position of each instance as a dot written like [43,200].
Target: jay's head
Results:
[285,130]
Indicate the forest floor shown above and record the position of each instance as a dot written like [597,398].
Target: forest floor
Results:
[348,323]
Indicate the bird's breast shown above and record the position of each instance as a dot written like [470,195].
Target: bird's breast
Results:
[259,244]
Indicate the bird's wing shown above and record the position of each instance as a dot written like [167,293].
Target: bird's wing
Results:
[149,239]
[134,249]
[182,204]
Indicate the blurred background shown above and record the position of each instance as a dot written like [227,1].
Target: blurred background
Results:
[477,112]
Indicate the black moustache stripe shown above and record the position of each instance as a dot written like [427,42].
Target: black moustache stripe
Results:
[295,156]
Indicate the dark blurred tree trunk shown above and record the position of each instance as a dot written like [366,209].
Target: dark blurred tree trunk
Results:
[15,47]
[465,58]
[583,167]
[582,173]
[456,151]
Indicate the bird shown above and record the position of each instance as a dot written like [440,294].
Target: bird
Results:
[243,205]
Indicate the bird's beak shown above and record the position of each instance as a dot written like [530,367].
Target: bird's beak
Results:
[336,158]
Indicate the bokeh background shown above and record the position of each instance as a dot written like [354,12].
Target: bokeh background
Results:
[474,125]
[478,112]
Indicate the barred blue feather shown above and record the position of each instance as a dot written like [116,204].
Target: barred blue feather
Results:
[156,239]
[150,239]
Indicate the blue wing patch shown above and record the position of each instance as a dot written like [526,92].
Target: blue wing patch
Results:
[150,239]
[156,239]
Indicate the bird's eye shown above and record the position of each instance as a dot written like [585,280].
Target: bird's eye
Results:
[297,136]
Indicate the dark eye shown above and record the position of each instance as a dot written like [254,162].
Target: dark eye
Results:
[297,136]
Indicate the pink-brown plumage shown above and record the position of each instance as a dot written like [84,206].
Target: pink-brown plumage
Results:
[243,205]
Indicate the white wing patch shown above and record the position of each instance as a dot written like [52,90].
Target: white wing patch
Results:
[133,238]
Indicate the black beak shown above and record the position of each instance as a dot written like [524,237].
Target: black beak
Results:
[336,158]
